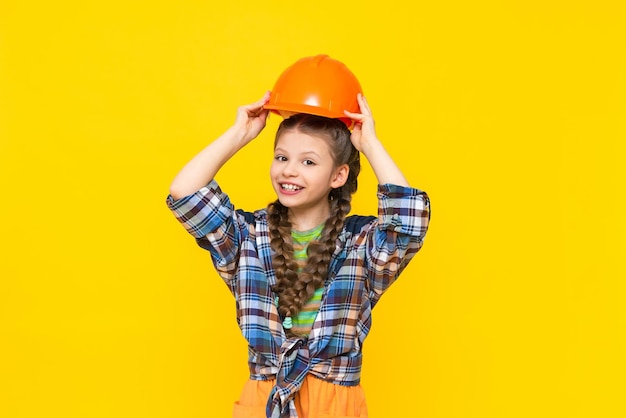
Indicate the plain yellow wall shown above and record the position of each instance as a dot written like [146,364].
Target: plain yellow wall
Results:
[510,114]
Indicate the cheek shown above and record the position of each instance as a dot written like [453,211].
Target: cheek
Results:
[273,170]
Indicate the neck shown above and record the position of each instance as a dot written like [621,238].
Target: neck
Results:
[307,220]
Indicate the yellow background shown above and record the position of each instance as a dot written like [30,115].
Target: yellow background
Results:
[511,114]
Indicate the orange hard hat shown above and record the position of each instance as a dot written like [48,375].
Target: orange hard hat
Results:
[318,85]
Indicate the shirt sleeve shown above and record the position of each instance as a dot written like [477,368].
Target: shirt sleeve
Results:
[403,218]
[210,217]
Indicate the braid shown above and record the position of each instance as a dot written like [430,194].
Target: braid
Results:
[285,266]
[295,289]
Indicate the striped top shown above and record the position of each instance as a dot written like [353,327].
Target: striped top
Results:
[303,323]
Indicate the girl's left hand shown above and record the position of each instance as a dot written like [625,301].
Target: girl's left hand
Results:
[363,131]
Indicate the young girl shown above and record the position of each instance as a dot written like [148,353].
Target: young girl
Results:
[305,276]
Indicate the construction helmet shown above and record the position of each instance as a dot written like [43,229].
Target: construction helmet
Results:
[318,85]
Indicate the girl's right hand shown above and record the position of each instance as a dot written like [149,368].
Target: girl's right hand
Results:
[202,168]
[251,119]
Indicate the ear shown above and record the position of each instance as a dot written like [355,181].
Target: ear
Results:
[340,177]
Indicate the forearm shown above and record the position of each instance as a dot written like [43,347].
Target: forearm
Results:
[386,170]
[202,168]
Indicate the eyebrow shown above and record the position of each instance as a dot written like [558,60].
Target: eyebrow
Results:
[304,153]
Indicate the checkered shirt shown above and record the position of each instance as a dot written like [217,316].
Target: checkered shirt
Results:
[371,252]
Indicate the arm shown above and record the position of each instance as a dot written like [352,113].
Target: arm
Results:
[365,140]
[403,212]
[392,241]
[210,217]
[202,168]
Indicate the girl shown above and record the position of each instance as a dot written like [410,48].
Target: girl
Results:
[304,275]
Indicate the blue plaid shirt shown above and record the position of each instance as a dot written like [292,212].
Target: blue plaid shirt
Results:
[371,253]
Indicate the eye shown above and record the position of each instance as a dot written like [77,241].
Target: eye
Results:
[280,158]
[308,162]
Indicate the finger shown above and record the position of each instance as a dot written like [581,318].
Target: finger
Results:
[259,103]
[257,112]
[363,105]
[254,110]
[359,117]
[352,115]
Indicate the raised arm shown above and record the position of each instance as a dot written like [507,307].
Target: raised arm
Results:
[202,168]
[365,140]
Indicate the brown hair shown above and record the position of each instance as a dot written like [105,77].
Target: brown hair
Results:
[295,289]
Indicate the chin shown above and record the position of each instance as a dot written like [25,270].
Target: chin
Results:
[285,201]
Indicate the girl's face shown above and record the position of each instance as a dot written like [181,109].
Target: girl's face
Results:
[303,173]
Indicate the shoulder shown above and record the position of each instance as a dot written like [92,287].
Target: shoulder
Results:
[356,223]
[389,190]
[253,218]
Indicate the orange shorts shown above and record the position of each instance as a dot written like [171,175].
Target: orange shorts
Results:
[316,399]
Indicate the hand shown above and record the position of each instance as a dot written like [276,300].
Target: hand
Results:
[363,131]
[365,140]
[251,119]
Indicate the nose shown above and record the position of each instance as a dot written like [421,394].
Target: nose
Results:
[290,169]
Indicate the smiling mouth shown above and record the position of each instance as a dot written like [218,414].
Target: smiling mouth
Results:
[290,187]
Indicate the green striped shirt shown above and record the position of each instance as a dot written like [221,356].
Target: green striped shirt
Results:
[303,323]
